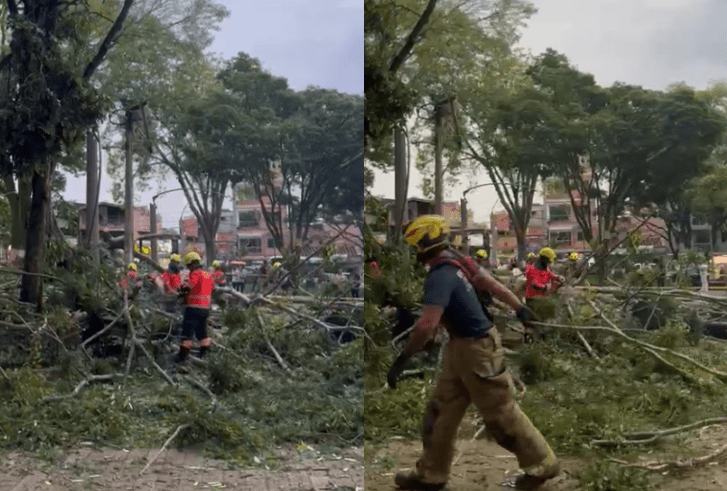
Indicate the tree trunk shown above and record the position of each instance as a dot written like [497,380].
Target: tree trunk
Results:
[521,245]
[35,244]
[209,245]
[19,206]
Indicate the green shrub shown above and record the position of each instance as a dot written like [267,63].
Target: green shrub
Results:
[605,476]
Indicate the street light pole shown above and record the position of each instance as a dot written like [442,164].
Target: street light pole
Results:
[129,194]
[153,218]
[464,214]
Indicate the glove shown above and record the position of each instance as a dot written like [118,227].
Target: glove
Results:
[395,371]
[526,316]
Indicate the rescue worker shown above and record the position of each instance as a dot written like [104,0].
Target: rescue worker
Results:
[170,277]
[197,294]
[539,277]
[218,273]
[131,279]
[481,258]
[473,367]
[572,266]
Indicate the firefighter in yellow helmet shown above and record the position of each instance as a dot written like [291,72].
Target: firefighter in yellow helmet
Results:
[131,279]
[481,258]
[473,365]
[218,273]
[539,278]
[197,295]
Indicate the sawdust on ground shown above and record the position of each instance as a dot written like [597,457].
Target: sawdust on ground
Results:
[83,469]
[481,465]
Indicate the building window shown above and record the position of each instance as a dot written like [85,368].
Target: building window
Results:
[245,193]
[698,220]
[560,237]
[272,243]
[580,237]
[559,213]
[113,214]
[702,237]
[251,244]
[247,219]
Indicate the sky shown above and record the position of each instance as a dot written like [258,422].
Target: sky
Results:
[318,42]
[651,43]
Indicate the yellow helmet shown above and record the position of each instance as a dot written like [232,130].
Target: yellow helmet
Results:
[481,253]
[548,252]
[191,257]
[573,256]
[276,265]
[531,256]
[132,266]
[216,264]
[427,232]
[175,257]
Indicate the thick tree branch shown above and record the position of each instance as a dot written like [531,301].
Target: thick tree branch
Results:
[412,38]
[108,41]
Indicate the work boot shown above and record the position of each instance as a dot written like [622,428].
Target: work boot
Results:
[528,482]
[202,351]
[182,354]
[413,482]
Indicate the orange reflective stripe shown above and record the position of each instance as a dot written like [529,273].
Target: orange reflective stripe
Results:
[187,343]
[205,342]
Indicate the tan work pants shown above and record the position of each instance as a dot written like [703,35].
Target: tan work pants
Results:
[473,372]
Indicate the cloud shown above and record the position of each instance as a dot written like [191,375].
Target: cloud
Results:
[309,43]
[642,42]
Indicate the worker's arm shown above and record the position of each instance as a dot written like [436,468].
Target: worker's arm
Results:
[424,331]
[485,281]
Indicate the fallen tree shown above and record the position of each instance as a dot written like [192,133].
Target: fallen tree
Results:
[100,358]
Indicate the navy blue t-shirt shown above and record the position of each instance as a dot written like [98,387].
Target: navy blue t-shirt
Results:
[447,286]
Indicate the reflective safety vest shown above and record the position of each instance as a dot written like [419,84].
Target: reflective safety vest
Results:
[219,276]
[130,275]
[172,281]
[539,278]
[201,285]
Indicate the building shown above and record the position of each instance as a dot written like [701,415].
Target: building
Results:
[112,219]
[252,235]
[563,229]
[535,235]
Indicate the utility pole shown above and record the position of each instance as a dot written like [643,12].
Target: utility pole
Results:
[464,219]
[493,240]
[442,109]
[400,182]
[129,194]
[153,229]
[438,144]
[92,179]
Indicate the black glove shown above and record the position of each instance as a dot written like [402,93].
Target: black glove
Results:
[526,316]
[395,371]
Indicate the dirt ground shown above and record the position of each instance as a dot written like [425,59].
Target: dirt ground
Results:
[481,465]
[117,470]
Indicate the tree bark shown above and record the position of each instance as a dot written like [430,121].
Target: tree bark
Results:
[19,205]
[35,243]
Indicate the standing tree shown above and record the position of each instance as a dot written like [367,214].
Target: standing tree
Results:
[51,92]
[508,137]
[322,159]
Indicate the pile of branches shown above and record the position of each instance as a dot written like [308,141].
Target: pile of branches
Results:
[93,337]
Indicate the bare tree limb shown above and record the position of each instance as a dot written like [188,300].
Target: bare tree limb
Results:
[108,41]
[166,444]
